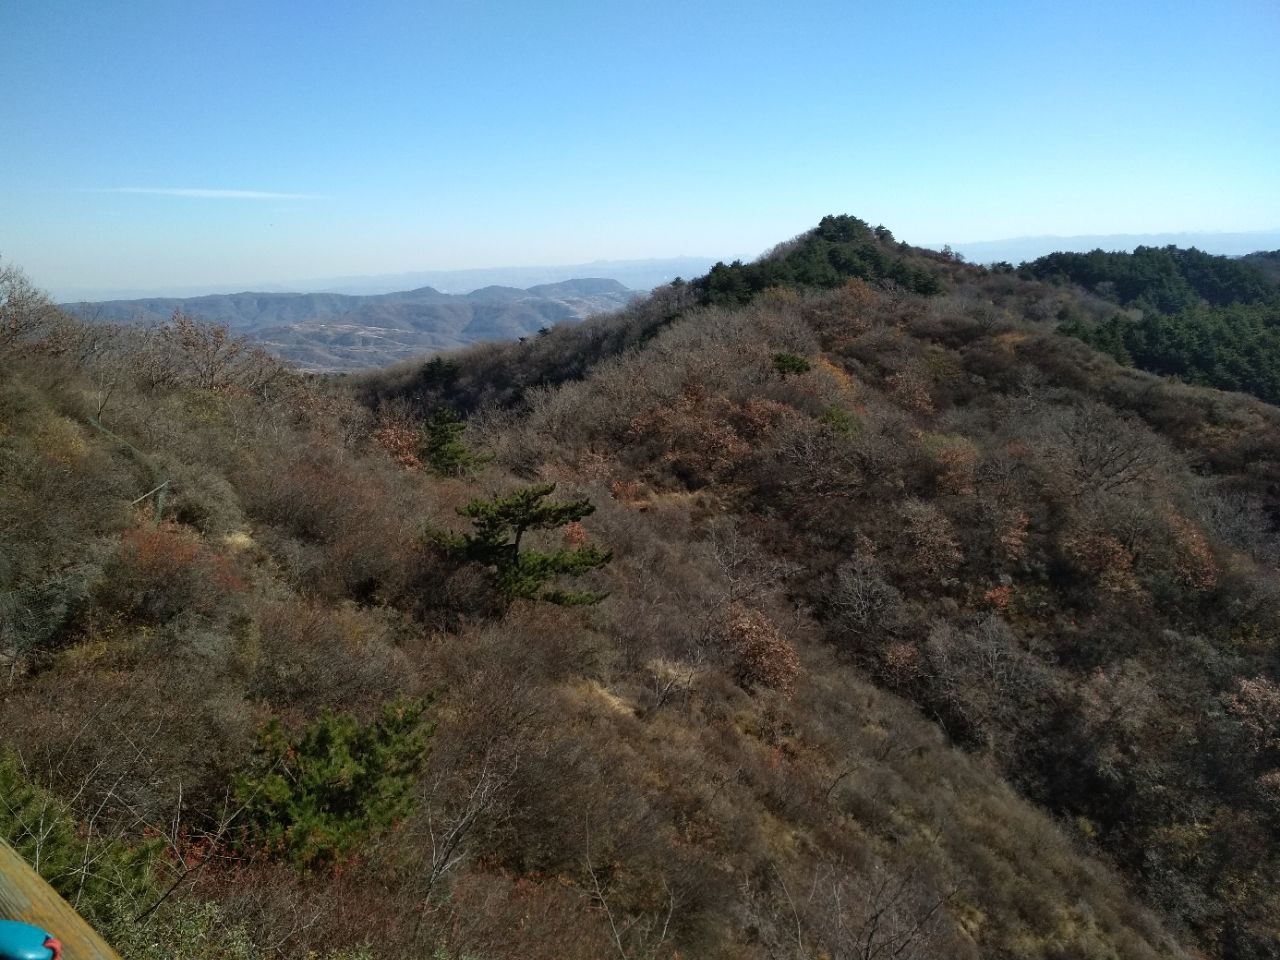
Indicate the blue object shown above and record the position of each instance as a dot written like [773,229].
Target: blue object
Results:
[21,941]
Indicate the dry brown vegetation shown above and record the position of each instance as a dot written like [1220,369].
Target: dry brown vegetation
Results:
[962,642]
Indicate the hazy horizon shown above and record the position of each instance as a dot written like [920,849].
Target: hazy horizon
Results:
[156,147]
[643,274]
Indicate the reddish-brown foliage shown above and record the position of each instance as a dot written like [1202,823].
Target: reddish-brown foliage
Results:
[762,655]
[1196,565]
[911,390]
[1256,706]
[1105,558]
[931,537]
[401,438]
[158,573]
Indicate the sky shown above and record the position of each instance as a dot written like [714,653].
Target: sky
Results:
[160,144]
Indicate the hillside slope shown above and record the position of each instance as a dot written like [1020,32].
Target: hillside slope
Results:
[1136,509]
[928,632]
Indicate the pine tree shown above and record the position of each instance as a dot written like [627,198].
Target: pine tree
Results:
[443,449]
[102,876]
[786,363]
[499,526]
[314,797]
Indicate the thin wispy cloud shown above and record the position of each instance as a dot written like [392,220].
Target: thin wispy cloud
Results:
[209,194]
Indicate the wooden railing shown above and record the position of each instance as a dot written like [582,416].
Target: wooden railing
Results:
[25,896]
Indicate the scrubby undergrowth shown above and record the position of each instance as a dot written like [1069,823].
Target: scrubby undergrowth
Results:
[947,637]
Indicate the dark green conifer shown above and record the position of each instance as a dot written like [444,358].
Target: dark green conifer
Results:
[498,528]
[314,797]
[443,449]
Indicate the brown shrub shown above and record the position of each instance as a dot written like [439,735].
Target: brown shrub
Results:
[999,597]
[1013,532]
[1105,559]
[1195,563]
[954,460]
[310,656]
[158,573]
[912,391]
[1256,706]
[401,438]
[762,655]
[842,315]
[697,434]
[931,537]
[533,917]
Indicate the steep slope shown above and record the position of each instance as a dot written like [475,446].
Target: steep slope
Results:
[635,779]
[929,632]
[1042,528]
[1010,533]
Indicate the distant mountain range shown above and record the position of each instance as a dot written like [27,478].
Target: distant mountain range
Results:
[635,274]
[1019,249]
[334,331]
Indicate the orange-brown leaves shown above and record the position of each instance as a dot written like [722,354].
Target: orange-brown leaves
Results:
[1256,706]
[955,462]
[401,438]
[911,391]
[1107,560]
[763,656]
[574,534]
[159,573]
[999,597]
[842,315]
[903,662]
[758,417]
[703,435]
[1195,563]
[932,538]
[1013,533]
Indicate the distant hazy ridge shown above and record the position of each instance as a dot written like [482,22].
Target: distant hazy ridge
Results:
[329,331]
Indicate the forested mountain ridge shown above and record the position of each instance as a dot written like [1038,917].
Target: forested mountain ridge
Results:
[928,631]
[1164,279]
[839,249]
[1201,318]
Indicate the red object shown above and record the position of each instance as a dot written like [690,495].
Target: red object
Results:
[54,945]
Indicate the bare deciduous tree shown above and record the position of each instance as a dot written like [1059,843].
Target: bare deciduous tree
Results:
[640,936]
[876,913]
[26,312]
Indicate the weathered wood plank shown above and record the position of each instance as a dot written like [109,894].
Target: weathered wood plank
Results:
[25,896]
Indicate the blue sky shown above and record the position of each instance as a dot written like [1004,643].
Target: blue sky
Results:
[151,144]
